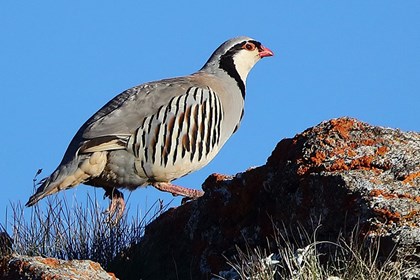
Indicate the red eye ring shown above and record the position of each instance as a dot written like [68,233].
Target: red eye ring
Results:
[249,46]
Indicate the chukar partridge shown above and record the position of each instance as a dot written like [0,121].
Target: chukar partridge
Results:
[159,131]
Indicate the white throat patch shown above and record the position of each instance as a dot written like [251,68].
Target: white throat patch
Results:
[244,61]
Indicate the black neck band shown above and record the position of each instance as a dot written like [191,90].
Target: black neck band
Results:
[227,64]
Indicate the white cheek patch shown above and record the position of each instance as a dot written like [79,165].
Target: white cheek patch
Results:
[244,61]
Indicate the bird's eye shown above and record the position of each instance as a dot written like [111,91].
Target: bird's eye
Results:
[249,46]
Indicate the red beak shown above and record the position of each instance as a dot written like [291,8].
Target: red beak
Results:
[263,52]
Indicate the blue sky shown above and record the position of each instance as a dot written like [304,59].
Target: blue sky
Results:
[60,61]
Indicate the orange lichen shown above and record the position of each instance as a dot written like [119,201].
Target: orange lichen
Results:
[364,161]
[353,145]
[342,126]
[339,164]
[338,151]
[351,153]
[382,150]
[95,266]
[369,142]
[318,158]
[388,215]
[329,141]
[50,262]
[387,195]
[410,177]
[411,215]
[377,192]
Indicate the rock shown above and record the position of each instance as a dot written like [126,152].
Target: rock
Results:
[339,174]
[6,243]
[39,268]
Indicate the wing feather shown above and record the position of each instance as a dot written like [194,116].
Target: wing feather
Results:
[112,126]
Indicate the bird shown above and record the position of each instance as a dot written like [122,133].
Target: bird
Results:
[156,132]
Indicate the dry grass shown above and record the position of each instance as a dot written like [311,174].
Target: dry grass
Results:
[79,231]
[306,258]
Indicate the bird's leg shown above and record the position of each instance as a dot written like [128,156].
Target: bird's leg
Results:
[178,190]
[117,205]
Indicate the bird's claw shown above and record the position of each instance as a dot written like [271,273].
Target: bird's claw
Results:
[115,210]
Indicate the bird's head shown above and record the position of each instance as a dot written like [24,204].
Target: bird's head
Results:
[236,57]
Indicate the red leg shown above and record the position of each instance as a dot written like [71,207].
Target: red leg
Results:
[117,204]
[178,190]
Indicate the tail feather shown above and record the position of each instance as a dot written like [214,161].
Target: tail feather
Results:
[47,187]
[69,175]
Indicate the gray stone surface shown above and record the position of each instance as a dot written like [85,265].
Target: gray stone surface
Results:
[340,174]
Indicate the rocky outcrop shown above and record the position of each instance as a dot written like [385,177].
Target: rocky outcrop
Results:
[338,174]
[39,268]
[14,266]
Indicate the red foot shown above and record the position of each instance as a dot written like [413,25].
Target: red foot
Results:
[178,190]
[117,204]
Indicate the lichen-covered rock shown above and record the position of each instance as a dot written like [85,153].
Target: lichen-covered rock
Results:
[338,174]
[352,172]
[39,268]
